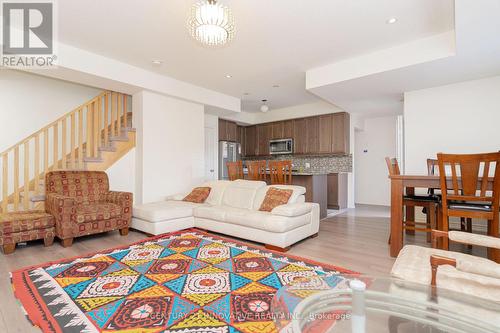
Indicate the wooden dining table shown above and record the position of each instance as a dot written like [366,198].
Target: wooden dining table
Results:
[400,183]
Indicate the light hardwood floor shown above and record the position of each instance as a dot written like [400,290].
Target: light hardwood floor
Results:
[356,239]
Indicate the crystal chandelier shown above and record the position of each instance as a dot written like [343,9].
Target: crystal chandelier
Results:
[211,23]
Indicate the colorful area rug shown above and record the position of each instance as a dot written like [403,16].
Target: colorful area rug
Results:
[188,281]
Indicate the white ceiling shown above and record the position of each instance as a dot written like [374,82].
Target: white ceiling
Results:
[276,41]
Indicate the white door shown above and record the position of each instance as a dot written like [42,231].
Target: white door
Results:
[210,153]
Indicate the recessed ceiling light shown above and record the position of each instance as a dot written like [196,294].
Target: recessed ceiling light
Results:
[392,20]
[228,76]
[157,62]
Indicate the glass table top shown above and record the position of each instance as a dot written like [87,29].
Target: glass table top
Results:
[359,304]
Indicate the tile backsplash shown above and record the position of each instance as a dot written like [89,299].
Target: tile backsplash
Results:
[318,164]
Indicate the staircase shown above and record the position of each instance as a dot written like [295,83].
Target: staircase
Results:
[91,137]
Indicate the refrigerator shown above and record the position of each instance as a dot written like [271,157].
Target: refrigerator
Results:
[228,152]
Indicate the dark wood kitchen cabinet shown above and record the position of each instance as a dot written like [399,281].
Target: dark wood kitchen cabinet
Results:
[228,130]
[341,133]
[264,134]
[241,139]
[337,190]
[251,141]
[312,133]
[277,130]
[325,134]
[300,136]
[287,129]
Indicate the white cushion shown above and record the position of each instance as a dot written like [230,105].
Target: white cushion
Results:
[217,188]
[295,209]
[413,264]
[241,193]
[217,213]
[261,194]
[164,210]
[265,220]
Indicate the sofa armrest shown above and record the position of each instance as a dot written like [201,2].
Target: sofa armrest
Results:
[123,199]
[291,210]
[63,209]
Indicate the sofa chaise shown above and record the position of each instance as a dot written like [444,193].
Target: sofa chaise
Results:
[232,208]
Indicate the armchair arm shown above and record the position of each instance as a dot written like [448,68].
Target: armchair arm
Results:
[63,209]
[291,210]
[123,199]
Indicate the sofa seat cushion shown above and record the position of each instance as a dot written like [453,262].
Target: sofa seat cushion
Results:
[88,212]
[164,210]
[217,213]
[265,221]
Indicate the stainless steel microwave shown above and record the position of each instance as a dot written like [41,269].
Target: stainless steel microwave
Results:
[281,146]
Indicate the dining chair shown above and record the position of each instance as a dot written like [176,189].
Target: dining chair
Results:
[429,202]
[235,170]
[465,192]
[256,170]
[281,172]
[433,170]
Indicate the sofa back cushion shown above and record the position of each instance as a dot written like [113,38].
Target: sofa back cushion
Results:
[84,186]
[217,188]
[241,193]
[297,194]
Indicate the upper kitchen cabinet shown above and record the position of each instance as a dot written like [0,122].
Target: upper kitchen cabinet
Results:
[251,141]
[325,134]
[341,133]
[264,135]
[300,136]
[287,129]
[277,130]
[241,139]
[312,133]
[228,130]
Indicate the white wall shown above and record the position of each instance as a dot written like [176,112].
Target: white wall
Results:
[122,174]
[456,118]
[378,138]
[28,102]
[170,146]
[212,122]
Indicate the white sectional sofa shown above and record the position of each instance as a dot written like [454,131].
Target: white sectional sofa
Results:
[232,208]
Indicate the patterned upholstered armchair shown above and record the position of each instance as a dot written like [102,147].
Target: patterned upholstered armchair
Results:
[82,204]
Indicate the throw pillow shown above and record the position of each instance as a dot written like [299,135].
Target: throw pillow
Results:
[275,197]
[198,195]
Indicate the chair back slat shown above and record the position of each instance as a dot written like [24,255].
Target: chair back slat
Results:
[454,178]
[256,170]
[392,166]
[484,181]
[235,170]
[281,172]
[470,183]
